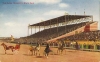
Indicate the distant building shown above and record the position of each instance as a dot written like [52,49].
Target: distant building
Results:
[4,38]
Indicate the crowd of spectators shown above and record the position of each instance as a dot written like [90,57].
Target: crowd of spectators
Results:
[87,36]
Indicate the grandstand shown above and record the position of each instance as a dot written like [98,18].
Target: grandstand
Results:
[58,26]
[67,28]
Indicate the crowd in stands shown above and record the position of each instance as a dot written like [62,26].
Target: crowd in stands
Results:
[87,36]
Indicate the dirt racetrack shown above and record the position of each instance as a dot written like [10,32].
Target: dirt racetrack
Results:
[71,55]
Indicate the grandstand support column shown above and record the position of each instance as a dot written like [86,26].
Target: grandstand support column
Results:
[39,28]
[44,25]
[53,44]
[50,26]
[35,29]
[57,27]
[92,18]
[28,29]
[31,30]
[65,23]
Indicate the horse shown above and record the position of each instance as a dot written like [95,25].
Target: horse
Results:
[47,50]
[10,47]
[35,49]
[61,48]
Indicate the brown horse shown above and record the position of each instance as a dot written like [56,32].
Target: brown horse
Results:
[10,47]
[35,49]
[61,48]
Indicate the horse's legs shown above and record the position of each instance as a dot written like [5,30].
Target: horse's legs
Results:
[58,51]
[44,53]
[34,52]
[47,55]
[65,51]
[61,51]
[12,50]
[31,52]
[5,51]
[38,52]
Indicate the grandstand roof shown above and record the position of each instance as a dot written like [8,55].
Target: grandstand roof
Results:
[60,19]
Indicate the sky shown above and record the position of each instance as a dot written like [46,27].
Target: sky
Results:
[16,15]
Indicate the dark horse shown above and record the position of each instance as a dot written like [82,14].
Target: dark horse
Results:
[61,48]
[47,50]
[17,47]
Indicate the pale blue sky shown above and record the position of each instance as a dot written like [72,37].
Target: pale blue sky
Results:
[14,18]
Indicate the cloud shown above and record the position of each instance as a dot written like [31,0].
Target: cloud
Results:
[33,20]
[18,28]
[42,1]
[9,24]
[14,28]
[55,13]
[14,24]
[28,11]
[63,5]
